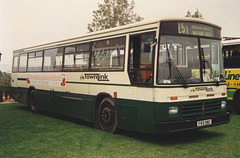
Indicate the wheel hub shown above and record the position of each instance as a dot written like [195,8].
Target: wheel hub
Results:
[107,115]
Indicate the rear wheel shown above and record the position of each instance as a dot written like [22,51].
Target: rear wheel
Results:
[107,115]
[33,101]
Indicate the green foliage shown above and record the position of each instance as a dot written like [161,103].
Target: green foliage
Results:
[24,134]
[5,83]
[197,14]
[113,13]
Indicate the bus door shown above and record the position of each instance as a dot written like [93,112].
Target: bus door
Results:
[140,67]
[140,71]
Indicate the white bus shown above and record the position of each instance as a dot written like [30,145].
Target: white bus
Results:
[155,77]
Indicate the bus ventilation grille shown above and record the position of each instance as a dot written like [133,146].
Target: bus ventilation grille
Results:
[193,111]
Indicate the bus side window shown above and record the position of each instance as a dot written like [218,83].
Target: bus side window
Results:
[53,59]
[76,58]
[35,61]
[23,62]
[82,57]
[108,54]
[15,64]
[69,58]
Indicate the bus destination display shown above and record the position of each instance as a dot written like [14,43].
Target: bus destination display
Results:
[195,29]
[190,28]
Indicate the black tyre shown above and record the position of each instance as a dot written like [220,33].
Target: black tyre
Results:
[236,102]
[107,115]
[33,101]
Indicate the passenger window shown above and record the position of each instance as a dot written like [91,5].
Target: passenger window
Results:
[35,61]
[23,63]
[76,58]
[108,54]
[15,64]
[68,61]
[53,59]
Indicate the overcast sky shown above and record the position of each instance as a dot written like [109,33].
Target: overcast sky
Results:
[25,23]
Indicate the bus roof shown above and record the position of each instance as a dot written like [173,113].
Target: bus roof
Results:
[231,42]
[131,28]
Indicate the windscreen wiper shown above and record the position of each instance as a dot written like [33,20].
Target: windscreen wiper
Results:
[208,64]
[176,71]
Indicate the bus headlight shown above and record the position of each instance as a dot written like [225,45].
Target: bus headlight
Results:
[223,104]
[173,110]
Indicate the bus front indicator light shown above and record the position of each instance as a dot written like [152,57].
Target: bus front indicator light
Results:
[173,98]
[173,110]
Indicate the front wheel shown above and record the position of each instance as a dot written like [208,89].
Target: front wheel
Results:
[107,115]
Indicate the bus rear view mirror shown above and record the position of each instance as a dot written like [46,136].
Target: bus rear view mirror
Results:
[147,47]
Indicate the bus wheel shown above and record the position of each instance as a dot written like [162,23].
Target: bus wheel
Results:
[33,101]
[107,115]
[236,102]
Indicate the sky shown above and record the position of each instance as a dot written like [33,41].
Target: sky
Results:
[25,23]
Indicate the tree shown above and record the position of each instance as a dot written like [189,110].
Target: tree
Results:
[1,87]
[113,13]
[197,14]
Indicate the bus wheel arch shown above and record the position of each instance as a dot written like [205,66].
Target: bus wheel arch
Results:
[236,102]
[105,113]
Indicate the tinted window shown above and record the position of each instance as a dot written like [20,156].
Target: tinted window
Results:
[15,64]
[23,63]
[35,61]
[108,54]
[76,58]
[53,59]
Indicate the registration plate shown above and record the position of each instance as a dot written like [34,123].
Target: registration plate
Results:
[204,122]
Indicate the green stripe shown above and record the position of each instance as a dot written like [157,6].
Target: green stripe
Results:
[173,86]
[109,84]
[147,86]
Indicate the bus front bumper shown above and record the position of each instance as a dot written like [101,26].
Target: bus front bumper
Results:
[183,125]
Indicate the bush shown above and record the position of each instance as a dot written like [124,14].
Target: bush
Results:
[5,83]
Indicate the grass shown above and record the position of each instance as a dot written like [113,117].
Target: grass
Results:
[24,134]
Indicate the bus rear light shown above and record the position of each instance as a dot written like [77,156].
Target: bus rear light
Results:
[173,98]
[223,94]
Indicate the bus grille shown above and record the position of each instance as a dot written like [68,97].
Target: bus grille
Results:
[193,111]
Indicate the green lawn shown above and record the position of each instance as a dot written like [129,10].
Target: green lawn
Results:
[24,134]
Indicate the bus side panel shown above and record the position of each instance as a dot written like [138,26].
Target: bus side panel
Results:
[45,100]
[135,115]
[76,105]
[72,105]
[14,80]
